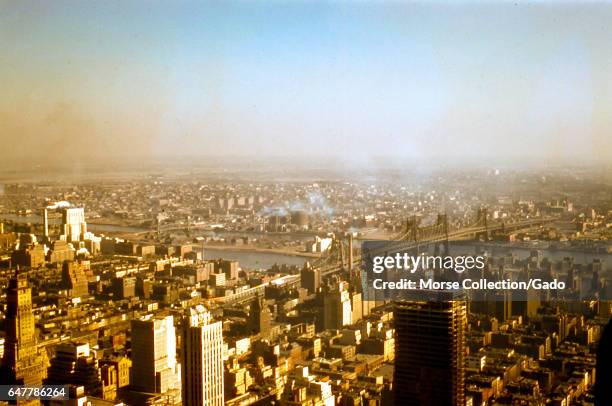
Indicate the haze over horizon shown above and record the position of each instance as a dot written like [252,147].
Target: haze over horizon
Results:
[352,81]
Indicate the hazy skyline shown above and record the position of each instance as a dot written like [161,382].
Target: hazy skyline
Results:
[352,80]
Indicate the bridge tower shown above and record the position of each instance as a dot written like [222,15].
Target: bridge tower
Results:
[442,221]
[354,272]
[340,247]
[412,229]
[481,219]
[350,252]
[335,254]
[159,220]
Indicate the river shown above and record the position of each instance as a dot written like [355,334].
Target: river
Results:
[255,260]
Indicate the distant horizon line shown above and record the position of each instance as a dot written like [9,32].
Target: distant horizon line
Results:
[286,164]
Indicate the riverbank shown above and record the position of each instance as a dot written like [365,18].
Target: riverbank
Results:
[119,223]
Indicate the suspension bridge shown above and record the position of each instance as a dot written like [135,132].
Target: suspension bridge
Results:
[343,257]
[342,254]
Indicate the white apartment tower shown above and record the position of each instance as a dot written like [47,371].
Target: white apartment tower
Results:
[74,227]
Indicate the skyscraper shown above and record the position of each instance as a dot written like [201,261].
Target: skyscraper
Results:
[22,363]
[430,353]
[154,365]
[74,227]
[202,358]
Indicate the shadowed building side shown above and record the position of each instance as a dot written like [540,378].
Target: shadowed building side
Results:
[603,378]
[430,353]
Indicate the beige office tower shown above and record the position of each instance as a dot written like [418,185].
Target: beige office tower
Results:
[74,227]
[337,307]
[154,365]
[202,358]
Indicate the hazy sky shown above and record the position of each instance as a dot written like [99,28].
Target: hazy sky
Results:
[456,81]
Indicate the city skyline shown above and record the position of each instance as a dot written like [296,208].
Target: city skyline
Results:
[300,203]
[453,82]
[254,293]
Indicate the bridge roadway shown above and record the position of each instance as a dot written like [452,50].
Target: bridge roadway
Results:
[248,295]
[453,235]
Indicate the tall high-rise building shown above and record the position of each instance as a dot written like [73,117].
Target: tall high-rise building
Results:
[22,363]
[337,307]
[45,223]
[202,358]
[260,319]
[74,227]
[154,365]
[310,278]
[430,353]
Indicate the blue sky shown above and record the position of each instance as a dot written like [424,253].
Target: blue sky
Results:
[352,80]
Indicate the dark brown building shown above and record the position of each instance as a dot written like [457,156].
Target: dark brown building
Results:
[125,287]
[310,279]
[74,279]
[32,256]
[430,353]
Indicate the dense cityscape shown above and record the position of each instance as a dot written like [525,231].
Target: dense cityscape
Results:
[305,203]
[173,290]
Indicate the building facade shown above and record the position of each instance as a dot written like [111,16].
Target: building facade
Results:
[430,353]
[202,357]
[154,365]
[22,362]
